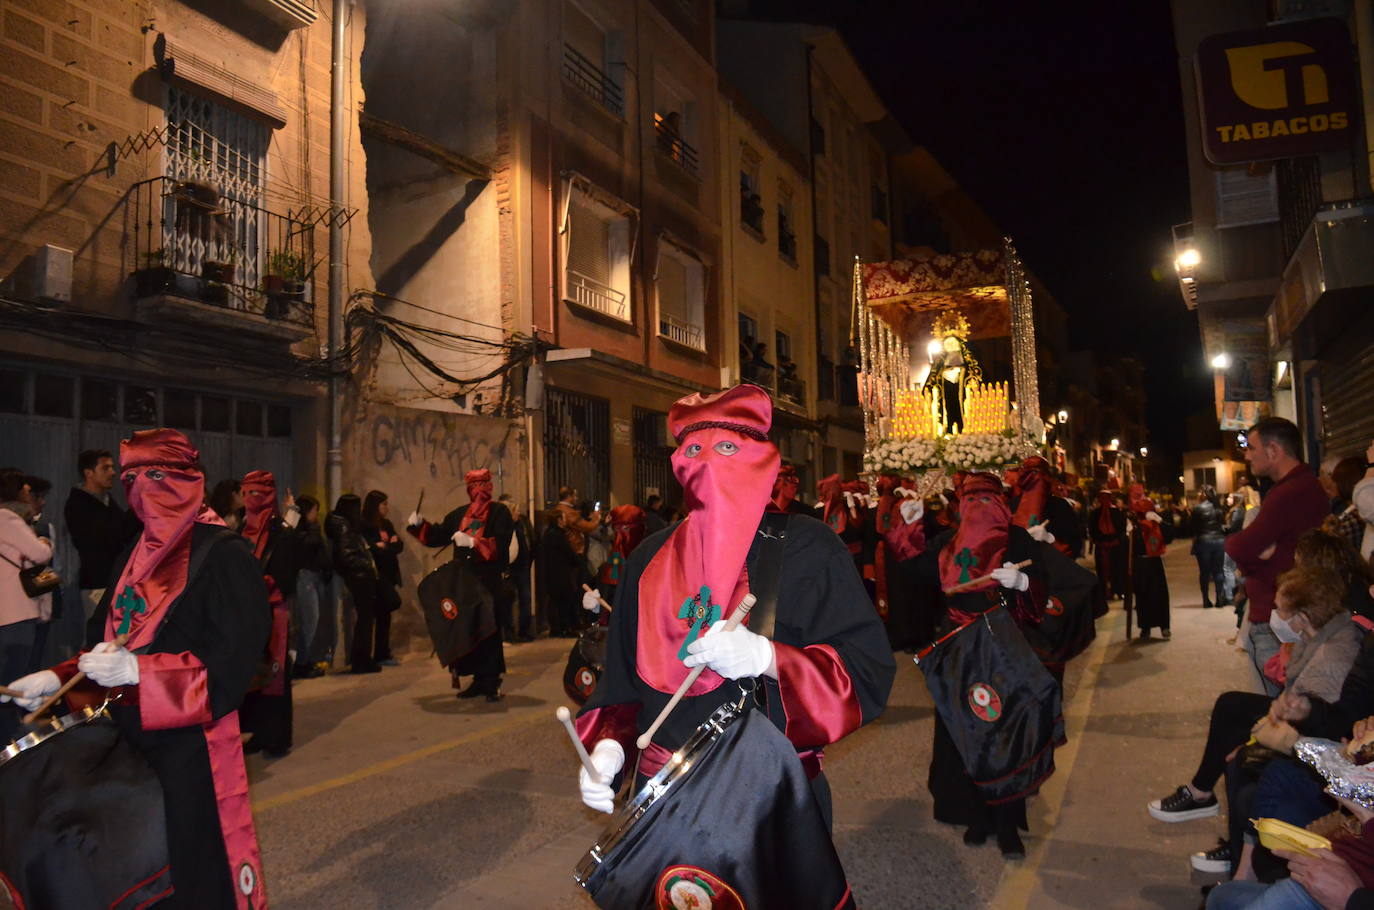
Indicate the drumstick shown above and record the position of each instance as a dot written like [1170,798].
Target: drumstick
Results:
[978,581]
[590,590]
[51,700]
[12,693]
[733,623]
[565,716]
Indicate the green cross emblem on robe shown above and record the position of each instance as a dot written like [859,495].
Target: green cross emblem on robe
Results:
[128,604]
[965,560]
[700,612]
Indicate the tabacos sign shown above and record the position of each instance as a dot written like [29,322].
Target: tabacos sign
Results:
[1277,92]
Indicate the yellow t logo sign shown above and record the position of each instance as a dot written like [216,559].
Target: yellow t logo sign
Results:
[1261,74]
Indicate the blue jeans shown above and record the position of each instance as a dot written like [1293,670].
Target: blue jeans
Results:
[1263,644]
[16,660]
[1282,895]
[1211,570]
[311,592]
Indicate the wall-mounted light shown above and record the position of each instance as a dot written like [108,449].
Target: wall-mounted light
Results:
[1063,416]
[1144,451]
[1222,361]
[1188,259]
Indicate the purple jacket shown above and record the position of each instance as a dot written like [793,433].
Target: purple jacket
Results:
[1295,504]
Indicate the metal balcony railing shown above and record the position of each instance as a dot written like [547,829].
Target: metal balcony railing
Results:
[588,77]
[594,295]
[682,332]
[673,146]
[185,238]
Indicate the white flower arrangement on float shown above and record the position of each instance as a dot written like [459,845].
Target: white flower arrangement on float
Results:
[985,451]
[902,456]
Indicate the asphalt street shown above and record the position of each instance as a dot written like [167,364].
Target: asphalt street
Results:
[400,796]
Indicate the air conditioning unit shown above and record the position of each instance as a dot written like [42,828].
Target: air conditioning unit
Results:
[51,277]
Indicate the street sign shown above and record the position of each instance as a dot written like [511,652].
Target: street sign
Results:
[1277,92]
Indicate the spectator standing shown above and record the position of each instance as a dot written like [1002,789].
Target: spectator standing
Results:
[100,529]
[562,573]
[313,583]
[226,501]
[1346,520]
[354,565]
[653,515]
[522,558]
[1363,498]
[44,528]
[386,545]
[1209,547]
[1264,550]
[20,615]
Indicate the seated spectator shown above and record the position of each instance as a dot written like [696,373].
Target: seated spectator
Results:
[1335,553]
[1341,878]
[1309,612]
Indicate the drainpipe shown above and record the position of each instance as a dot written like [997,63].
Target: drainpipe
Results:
[1364,40]
[337,131]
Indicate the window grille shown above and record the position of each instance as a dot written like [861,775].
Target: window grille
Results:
[217,159]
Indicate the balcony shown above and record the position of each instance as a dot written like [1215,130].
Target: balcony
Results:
[1331,267]
[787,238]
[751,210]
[598,297]
[679,331]
[785,387]
[672,146]
[195,254]
[591,81]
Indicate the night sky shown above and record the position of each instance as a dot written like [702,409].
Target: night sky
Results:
[1064,122]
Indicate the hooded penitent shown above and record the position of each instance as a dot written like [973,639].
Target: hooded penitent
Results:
[1033,487]
[727,467]
[1105,525]
[980,541]
[627,522]
[785,488]
[165,487]
[1150,531]
[260,508]
[474,521]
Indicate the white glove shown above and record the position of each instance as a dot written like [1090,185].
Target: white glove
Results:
[1041,532]
[608,757]
[736,654]
[109,665]
[1011,577]
[463,539]
[912,510]
[415,519]
[292,518]
[591,602]
[1153,516]
[36,688]
[849,499]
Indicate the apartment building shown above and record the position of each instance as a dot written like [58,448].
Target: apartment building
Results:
[1276,257]
[164,171]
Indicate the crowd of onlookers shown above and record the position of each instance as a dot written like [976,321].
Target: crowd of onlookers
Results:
[1292,551]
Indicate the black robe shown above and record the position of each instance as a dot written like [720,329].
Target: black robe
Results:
[821,601]
[1110,550]
[488,660]
[269,717]
[956,798]
[1148,584]
[223,619]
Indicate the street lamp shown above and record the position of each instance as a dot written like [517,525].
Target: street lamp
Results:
[1116,443]
[1144,451]
[1222,361]
[1063,416]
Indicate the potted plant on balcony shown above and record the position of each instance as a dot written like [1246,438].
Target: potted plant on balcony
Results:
[284,282]
[221,271]
[153,277]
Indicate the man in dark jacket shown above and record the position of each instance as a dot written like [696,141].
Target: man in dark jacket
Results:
[521,566]
[100,529]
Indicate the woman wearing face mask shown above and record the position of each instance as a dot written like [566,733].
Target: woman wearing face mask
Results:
[1309,613]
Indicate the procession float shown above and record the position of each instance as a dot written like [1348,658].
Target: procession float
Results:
[929,409]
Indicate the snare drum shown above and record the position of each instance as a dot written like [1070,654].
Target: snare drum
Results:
[50,729]
[83,823]
[658,787]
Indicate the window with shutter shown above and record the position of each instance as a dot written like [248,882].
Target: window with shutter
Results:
[681,291]
[597,271]
[1243,198]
